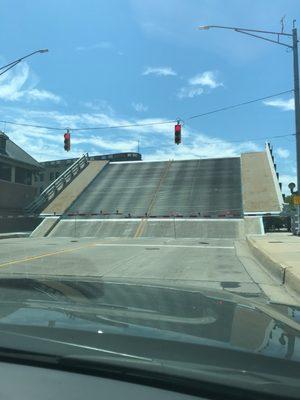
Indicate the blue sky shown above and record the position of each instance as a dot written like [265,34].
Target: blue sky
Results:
[139,61]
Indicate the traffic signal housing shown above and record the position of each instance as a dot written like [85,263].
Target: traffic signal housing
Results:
[178,133]
[67,141]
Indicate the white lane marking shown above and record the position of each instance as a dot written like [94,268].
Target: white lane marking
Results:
[78,219]
[162,245]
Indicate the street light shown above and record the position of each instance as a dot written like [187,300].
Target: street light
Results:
[12,64]
[294,47]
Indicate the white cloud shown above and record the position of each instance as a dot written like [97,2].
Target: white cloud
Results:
[190,92]
[100,45]
[11,84]
[197,85]
[106,144]
[36,94]
[200,146]
[99,106]
[139,107]
[282,153]
[159,71]
[207,78]
[283,105]
[14,87]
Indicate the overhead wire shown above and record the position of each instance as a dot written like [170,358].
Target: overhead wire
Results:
[160,122]
[86,128]
[32,125]
[252,139]
[217,140]
[238,105]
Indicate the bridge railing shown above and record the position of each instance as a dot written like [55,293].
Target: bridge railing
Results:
[58,185]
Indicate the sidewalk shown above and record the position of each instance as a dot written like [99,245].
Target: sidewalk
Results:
[279,253]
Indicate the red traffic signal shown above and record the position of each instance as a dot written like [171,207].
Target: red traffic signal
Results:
[178,133]
[67,141]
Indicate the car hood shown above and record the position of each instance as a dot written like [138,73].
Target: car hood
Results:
[211,317]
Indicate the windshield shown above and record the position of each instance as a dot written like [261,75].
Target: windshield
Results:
[149,199]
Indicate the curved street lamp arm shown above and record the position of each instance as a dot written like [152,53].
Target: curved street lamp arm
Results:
[13,63]
[235,28]
[8,68]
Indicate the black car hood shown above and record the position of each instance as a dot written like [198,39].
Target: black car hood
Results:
[211,317]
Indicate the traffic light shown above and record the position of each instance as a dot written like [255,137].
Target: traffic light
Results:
[178,133]
[67,141]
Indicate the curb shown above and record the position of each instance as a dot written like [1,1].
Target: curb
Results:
[14,235]
[275,268]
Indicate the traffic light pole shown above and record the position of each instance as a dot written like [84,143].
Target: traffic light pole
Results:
[278,35]
[297,103]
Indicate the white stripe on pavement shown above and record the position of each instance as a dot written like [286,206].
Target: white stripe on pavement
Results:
[162,245]
[167,219]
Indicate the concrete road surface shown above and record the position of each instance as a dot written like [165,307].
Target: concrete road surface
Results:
[211,186]
[210,263]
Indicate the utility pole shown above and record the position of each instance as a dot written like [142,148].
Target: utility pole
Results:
[297,103]
[276,38]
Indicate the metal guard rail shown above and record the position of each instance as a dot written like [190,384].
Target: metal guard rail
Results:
[56,186]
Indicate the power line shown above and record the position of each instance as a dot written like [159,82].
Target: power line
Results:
[218,140]
[125,126]
[33,126]
[149,123]
[238,105]
[255,139]
[87,128]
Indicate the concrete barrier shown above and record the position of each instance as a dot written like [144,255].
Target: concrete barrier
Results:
[273,267]
[288,275]
[253,226]
[192,228]
[95,228]
[156,227]
[45,227]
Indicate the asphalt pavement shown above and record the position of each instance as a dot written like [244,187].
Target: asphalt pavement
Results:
[211,263]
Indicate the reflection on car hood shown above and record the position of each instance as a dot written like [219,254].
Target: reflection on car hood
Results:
[212,317]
